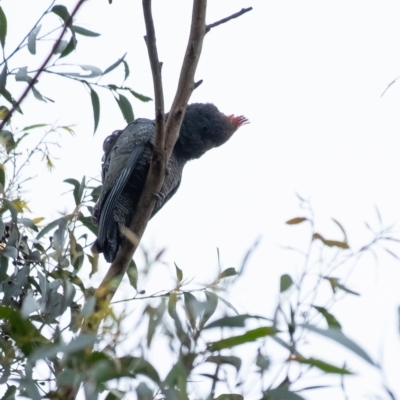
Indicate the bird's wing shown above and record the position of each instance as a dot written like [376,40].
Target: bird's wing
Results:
[121,162]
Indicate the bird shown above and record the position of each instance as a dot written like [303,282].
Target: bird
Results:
[126,162]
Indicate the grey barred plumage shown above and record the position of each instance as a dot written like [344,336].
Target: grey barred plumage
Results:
[126,163]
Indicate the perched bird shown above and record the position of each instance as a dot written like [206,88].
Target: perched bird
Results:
[126,162]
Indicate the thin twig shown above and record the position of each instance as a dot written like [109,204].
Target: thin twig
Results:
[224,20]
[43,66]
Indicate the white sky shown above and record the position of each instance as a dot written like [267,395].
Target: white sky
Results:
[308,75]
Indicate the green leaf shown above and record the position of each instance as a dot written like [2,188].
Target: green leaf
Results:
[140,366]
[177,377]
[3,112]
[297,220]
[32,39]
[62,12]
[3,77]
[330,319]
[22,75]
[78,258]
[26,336]
[3,27]
[139,96]
[115,65]
[126,67]
[322,365]
[9,252]
[230,397]
[76,186]
[96,108]
[249,336]
[339,337]
[61,46]
[231,360]
[94,262]
[53,225]
[132,273]
[193,308]
[7,95]
[81,342]
[10,393]
[84,31]
[286,282]
[71,46]
[237,321]
[2,179]
[227,272]
[335,284]
[7,140]
[27,128]
[125,107]
[87,222]
[179,274]
[228,304]
[209,307]
[28,223]
[96,193]
[3,268]
[281,393]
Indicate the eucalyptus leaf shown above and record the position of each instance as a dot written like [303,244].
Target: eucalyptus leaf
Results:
[32,39]
[3,27]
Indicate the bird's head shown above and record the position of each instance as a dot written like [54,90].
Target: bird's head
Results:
[203,128]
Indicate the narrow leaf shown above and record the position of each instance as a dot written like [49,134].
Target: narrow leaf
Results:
[237,321]
[132,273]
[62,12]
[115,65]
[96,108]
[32,39]
[330,319]
[297,220]
[139,96]
[3,27]
[322,365]
[339,337]
[71,46]
[249,336]
[227,272]
[3,77]
[179,273]
[125,107]
[84,31]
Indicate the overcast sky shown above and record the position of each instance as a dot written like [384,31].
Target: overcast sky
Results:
[309,76]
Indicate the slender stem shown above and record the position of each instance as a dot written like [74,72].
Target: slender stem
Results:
[224,20]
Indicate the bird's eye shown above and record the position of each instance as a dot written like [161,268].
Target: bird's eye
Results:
[204,129]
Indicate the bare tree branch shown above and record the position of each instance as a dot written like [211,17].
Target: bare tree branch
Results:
[150,39]
[156,173]
[224,20]
[166,137]
[42,67]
